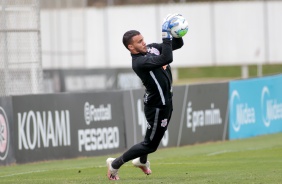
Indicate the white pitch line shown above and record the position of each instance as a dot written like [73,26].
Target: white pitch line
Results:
[219,152]
[39,171]
[30,172]
[234,151]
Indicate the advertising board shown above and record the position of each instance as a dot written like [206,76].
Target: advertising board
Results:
[68,125]
[204,116]
[255,107]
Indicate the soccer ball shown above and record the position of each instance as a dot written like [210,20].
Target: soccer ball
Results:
[181,29]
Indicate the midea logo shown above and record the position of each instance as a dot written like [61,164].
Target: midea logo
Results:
[4,135]
[243,114]
[270,108]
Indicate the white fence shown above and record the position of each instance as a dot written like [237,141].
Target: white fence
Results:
[220,33]
[20,47]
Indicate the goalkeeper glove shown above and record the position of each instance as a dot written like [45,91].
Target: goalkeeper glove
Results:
[166,27]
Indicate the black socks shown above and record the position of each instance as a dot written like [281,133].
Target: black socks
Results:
[117,163]
[143,159]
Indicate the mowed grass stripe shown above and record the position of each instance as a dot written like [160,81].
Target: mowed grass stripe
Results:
[253,160]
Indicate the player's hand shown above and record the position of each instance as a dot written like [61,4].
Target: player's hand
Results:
[166,27]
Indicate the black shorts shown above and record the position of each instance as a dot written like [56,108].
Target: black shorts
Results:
[158,120]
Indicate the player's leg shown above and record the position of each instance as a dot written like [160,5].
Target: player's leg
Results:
[141,149]
[158,119]
[158,122]
[112,173]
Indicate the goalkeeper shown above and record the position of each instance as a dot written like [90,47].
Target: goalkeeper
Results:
[151,63]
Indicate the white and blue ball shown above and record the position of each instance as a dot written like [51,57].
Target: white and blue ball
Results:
[181,29]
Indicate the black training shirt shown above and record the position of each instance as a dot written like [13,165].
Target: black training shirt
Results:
[156,78]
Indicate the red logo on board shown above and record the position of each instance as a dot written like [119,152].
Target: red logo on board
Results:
[4,135]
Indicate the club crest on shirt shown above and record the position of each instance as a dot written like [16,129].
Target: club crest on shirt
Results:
[153,50]
[164,123]
[148,126]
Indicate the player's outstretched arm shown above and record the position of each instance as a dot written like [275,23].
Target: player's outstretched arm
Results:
[166,28]
[177,43]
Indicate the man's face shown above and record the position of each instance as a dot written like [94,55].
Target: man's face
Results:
[138,45]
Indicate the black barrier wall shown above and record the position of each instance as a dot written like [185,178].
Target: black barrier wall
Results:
[199,115]
[6,132]
[53,81]
[77,80]
[68,125]
[204,114]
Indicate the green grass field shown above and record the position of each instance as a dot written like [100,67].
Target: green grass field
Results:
[253,160]
[226,71]
[221,73]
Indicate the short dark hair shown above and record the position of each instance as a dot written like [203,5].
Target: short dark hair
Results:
[127,37]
